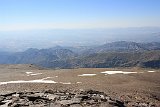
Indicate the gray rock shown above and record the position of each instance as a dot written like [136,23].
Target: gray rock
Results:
[54,105]
[40,94]
[64,97]
[72,101]
[76,100]
[91,102]
[83,97]
[105,105]
[65,102]
[76,105]
[7,93]
[52,97]
[1,98]
[59,93]
[6,103]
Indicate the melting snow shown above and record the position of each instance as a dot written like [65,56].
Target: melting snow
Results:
[46,78]
[36,74]
[43,80]
[87,75]
[117,72]
[31,73]
[151,71]
[65,82]
[30,81]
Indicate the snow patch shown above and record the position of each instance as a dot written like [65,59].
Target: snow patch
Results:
[117,72]
[32,74]
[46,78]
[43,80]
[29,72]
[151,71]
[87,75]
[36,74]
[65,82]
[30,81]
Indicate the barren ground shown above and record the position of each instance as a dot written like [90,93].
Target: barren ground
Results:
[142,86]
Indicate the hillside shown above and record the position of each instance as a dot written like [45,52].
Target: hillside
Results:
[20,67]
[116,54]
[122,46]
[121,59]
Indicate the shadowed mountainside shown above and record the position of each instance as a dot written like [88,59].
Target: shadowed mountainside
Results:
[116,54]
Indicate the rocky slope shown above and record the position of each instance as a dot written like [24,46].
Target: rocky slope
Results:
[50,98]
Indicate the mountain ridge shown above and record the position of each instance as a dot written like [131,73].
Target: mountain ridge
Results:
[115,54]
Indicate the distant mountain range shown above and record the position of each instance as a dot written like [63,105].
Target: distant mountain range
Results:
[18,41]
[115,54]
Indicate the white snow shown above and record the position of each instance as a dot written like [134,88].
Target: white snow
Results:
[151,71]
[65,82]
[117,72]
[46,78]
[87,75]
[78,82]
[36,74]
[43,80]
[30,81]
[29,72]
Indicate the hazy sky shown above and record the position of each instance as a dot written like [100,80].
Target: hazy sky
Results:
[46,23]
[77,14]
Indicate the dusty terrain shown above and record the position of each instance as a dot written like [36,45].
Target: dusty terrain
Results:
[140,88]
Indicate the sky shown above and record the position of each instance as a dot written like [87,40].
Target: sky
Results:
[46,23]
[77,14]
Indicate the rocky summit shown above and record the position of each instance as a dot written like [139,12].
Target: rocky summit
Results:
[58,99]
[50,98]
